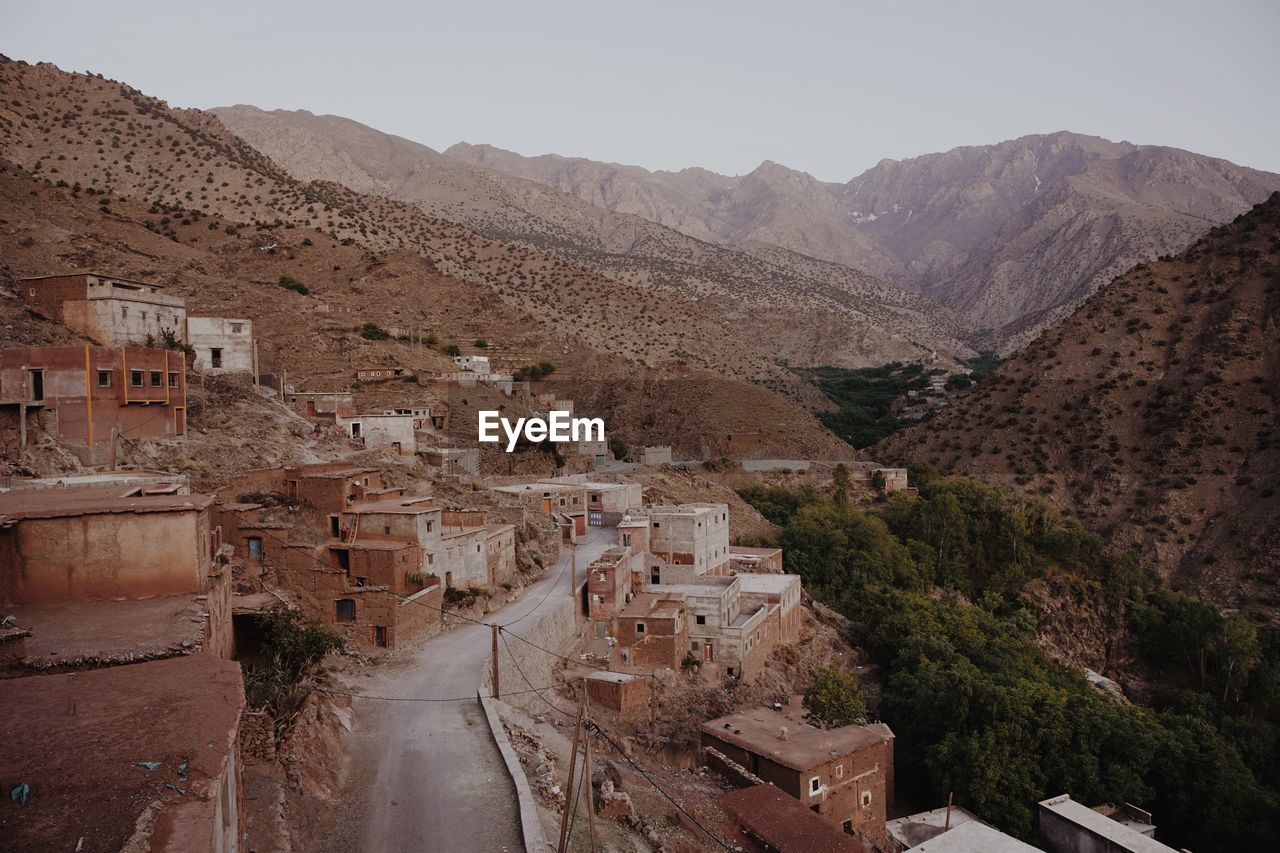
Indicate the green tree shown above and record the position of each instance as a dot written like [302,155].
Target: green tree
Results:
[833,700]
[840,484]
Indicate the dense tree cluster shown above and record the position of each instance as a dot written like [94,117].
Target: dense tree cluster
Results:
[932,586]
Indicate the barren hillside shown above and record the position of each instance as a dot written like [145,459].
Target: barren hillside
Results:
[627,248]
[1011,235]
[1151,414]
[98,176]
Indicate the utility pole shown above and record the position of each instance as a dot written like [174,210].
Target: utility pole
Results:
[568,793]
[573,567]
[496,694]
[115,433]
[590,769]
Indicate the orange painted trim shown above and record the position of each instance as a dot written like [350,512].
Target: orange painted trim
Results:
[88,395]
[124,375]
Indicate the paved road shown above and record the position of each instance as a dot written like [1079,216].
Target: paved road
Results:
[426,776]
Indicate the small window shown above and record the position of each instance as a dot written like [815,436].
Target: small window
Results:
[701,620]
[104,378]
[345,610]
[215,357]
[839,771]
[866,799]
[135,378]
[657,524]
[124,312]
[639,627]
[815,785]
[236,327]
[157,379]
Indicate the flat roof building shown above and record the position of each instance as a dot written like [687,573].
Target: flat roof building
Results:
[137,757]
[769,821]
[844,774]
[82,396]
[1073,827]
[112,311]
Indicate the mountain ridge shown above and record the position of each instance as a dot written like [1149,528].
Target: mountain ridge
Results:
[951,225]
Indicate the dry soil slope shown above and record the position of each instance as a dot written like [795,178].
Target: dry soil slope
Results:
[1004,233]
[1151,414]
[98,176]
[620,246]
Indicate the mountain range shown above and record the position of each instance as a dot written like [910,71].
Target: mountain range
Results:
[1009,237]
[1152,414]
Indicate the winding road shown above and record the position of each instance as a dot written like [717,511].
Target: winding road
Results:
[427,776]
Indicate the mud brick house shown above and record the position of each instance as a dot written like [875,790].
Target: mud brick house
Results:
[85,543]
[329,487]
[97,575]
[607,503]
[765,820]
[319,404]
[684,541]
[895,479]
[549,498]
[454,461]
[113,312]
[222,345]
[403,522]
[422,418]
[610,583]
[78,743]
[477,553]
[617,691]
[731,632]
[83,395]
[376,431]
[651,633]
[381,374]
[377,582]
[845,775]
[780,596]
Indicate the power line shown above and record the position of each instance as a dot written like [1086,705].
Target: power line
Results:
[471,698]
[547,595]
[591,726]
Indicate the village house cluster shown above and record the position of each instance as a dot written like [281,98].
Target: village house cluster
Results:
[131,381]
[123,592]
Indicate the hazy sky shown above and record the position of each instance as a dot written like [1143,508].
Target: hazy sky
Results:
[830,88]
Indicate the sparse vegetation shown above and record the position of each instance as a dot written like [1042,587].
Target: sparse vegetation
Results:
[289,283]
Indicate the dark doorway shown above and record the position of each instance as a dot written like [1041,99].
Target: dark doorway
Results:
[37,385]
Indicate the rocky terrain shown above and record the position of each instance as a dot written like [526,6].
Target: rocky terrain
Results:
[626,246]
[1011,235]
[1151,414]
[96,175]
